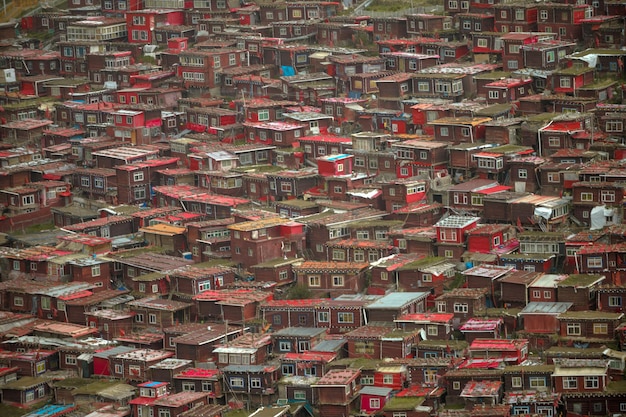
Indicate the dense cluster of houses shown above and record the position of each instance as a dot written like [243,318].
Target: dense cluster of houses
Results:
[282,207]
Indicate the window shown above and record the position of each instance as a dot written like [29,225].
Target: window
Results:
[152,318]
[573,329]
[460,308]
[516,382]
[600,328]
[138,318]
[314,281]
[607,196]
[586,196]
[18,301]
[522,173]
[537,381]
[338,281]
[565,82]
[95,271]
[339,255]
[444,131]
[367,380]
[119,369]
[236,382]
[594,262]
[615,301]
[299,395]
[592,382]
[45,303]
[138,176]
[614,126]
[432,330]
[322,316]
[456,385]
[494,94]
[188,386]
[41,367]
[550,56]
[570,382]
[255,382]
[345,317]
[375,403]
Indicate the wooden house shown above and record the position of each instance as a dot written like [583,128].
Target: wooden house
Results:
[338,391]
[134,365]
[580,376]
[166,370]
[514,287]
[515,17]
[565,19]
[306,363]
[26,391]
[457,380]
[492,239]
[296,339]
[592,327]
[331,277]
[157,312]
[476,328]
[513,351]
[542,317]
[258,382]
[380,341]
[462,302]
[580,290]
[373,399]
[202,380]
[438,326]
[452,235]
[396,304]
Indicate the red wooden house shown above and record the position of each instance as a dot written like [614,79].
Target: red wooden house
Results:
[513,351]
[508,90]
[542,317]
[373,399]
[141,23]
[452,235]
[438,326]
[564,19]
[335,165]
[569,80]
[496,238]
[149,392]
[514,17]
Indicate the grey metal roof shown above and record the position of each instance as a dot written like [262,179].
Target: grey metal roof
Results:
[300,331]
[536,307]
[112,352]
[245,368]
[329,345]
[396,299]
[370,390]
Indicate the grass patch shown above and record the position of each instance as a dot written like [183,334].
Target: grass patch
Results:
[41,227]
[395,6]
[237,413]
[10,411]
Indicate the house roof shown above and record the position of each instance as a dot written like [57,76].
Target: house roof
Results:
[426,318]
[475,389]
[481,325]
[375,391]
[457,221]
[396,300]
[551,308]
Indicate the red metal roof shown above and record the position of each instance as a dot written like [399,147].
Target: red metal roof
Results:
[494,190]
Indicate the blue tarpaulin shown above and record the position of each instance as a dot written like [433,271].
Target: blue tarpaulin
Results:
[288,71]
